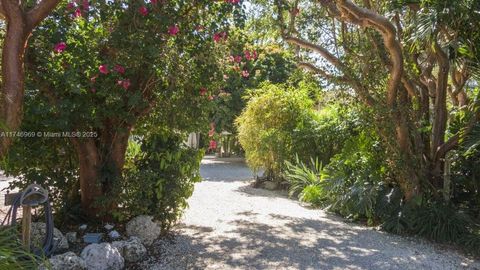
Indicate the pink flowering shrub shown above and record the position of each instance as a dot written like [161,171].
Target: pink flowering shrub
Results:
[113,69]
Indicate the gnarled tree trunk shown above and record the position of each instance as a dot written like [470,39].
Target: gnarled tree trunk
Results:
[101,162]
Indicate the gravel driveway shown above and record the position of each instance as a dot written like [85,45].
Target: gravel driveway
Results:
[230,225]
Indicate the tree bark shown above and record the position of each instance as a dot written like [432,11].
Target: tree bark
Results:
[440,116]
[89,168]
[12,73]
[94,154]
[20,24]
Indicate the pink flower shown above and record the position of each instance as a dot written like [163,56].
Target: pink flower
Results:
[217,37]
[173,30]
[238,58]
[211,97]
[225,77]
[154,2]
[203,91]
[232,1]
[103,69]
[245,74]
[85,5]
[94,79]
[124,83]
[143,10]
[212,145]
[60,47]
[248,55]
[77,13]
[254,55]
[70,5]
[120,69]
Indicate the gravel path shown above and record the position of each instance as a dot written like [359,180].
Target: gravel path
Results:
[230,225]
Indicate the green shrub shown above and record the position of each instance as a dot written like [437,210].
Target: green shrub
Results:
[49,162]
[300,176]
[312,194]
[357,177]
[436,220]
[267,126]
[159,178]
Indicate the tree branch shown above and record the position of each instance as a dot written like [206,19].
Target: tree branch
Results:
[40,12]
[366,18]
[311,67]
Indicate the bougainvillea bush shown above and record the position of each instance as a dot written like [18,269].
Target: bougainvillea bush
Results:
[99,71]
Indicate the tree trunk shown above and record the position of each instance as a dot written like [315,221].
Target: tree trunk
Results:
[13,79]
[20,23]
[101,162]
[439,125]
[89,168]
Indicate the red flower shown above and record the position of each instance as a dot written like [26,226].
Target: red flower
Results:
[154,2]
[60,47]
[238,58]
[217,37]
[120,69]
[85,5]
[213,145]
[70,5]
[143,10]
[173,30]
[103,69]
[77,13]
[203,91]
[124,83]
[247,54]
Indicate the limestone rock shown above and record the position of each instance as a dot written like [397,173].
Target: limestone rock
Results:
[102,257]
[65,261]
[270,185]
[71,237]
[144,228]
[38,232]
[132,250]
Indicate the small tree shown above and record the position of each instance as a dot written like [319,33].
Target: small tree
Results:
[99,71]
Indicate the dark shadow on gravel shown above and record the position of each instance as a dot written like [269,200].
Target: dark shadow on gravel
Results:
[262,246]
[250,191]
